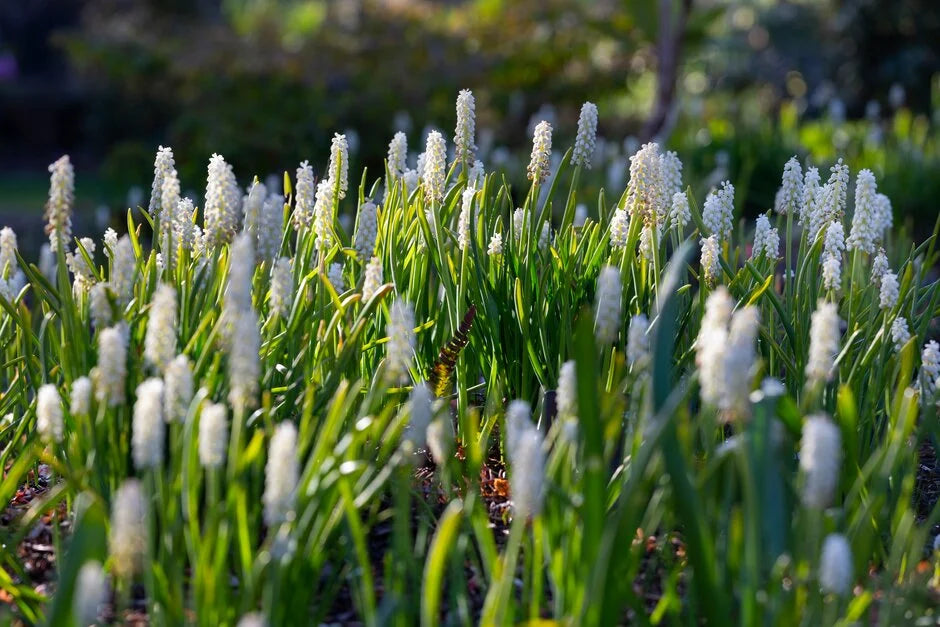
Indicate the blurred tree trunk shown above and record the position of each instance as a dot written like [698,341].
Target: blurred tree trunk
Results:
[672,21]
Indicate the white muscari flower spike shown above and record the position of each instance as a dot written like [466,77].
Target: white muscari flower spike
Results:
[832,203]
[270,228]
[281,475]
[517,422]
[832,273]
[282,288]
[527,474]
[739,360]
[304,197]
[607,305]
[834,242]
[900,333]
[567,395]
[241,269]
[9,268]
[711,344]
[339,164]
[398,155]
[545,236]
[646,243]
[766,239]
[463,220]
[646,190]
[184,230]
[435,167]
[123,271]
[930,367]
[883,216]
[440,439]
[879,267]
[464,134]
[820,460]
[223,203]
[477,175]
[98,305]
[419,416]
[213,435]
[585,140]
[709,262]
[47,262]
[335,276]
[178,390]
[244,368]
[864,222]
[59,206]
[367,230]
[110,242]
[888,296]
[671,173]
[83,271]
[252,619]
[638,342]
[411,180]
[323,215]
[160,341]
[835,565]
[80,397]
[496,244]
[401,340]
[539,162]
[717,215]
[619,228]
[148,429]
[91,593]
[791,188]
[163,197]
[518,223]
[373,279]
[680,215]
[812,195]
[111,372]
[49,422]
[128,538]
[823,343]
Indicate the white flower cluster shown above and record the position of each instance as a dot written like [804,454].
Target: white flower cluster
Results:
[791,188]
[435,168]
[323,215]
[84,273]
[726,352]
[398,155]
[401,340]
[148,429]
[812,195]
[835,565]
[820,460]
[680,213]
[111,372]
[160,340]
[718,212]
[831,203]
[585,140]
[930,368]
[244,367]
[647,187]
[281,475]
[128,538]
[495,246]
[12,279]
[304,197]
[900,332]
[91,593]
[49,421]
[567,395]
[282,288]
[865,221]
[367,230]
[373,279]
[463,220]
[766,239]
[213,435]
[607,305]
[539,164]
[165,190]
[178,389]
[888,296]
[823,343]
[80,397]
[419,416]
[526,453]
[879,267]
[222,210]
[710,259]
[61,199]
[270,227]
[464,134]
[638,342]
[619,228]
[335,276]
[339,165]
